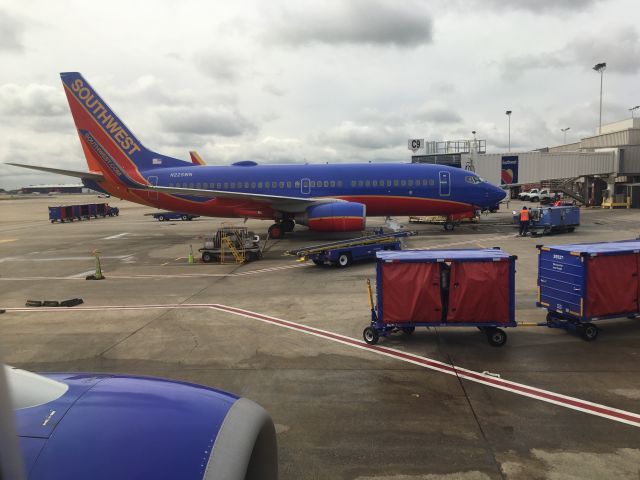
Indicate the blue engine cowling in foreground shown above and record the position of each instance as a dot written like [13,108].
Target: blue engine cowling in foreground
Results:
[335,217]
[114,426]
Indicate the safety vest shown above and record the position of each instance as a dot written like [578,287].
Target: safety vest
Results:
[524,215]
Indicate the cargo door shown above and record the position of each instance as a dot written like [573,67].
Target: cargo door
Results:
[612,285]
[153,194]
[479,292]
[410,293]
[445,184]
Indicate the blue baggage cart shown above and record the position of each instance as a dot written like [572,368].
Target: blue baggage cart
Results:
[581,283]
[548,220]
[443,288]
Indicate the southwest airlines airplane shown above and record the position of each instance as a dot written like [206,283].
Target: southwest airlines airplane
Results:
[322,197]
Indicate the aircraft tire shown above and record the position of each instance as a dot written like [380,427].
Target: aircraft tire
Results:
[288,225]
[449,226]
[276,231]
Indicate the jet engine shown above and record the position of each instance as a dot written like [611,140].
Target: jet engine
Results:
[335,217]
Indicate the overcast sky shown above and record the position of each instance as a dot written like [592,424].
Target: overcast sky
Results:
[316,81]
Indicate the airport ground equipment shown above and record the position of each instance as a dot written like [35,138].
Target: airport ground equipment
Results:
[448,222]
[582,283]
[231,245]
[69,213]
[344,252]
[548,220]
[443,288]
[165,216]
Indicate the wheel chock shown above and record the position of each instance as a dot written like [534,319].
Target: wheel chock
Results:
[33,303]
[50,303]
[2,310]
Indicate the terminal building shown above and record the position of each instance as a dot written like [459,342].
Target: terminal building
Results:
[599,170]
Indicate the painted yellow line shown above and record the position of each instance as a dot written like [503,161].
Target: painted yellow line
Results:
[7,240]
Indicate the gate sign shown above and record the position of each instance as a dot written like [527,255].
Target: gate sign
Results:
[509,172]
[416,144]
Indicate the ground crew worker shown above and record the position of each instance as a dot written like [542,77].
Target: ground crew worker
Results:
[524,221]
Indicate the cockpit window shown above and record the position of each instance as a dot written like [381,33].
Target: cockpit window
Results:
[474,180]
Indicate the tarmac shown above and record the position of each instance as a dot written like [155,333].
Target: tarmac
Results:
[439,404]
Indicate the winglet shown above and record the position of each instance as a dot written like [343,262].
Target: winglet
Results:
[195,158]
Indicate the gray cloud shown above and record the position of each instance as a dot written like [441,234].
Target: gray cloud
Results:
[218,65]
[439,115]
[221,121]
[540,6]
[363,136]
[621,51]
[11,31]
[32,100]
[375,22]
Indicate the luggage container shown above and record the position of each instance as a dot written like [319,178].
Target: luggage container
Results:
[581,283]
[549,220]
[443,288]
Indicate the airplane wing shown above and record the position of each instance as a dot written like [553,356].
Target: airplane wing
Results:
[277,202]
[69,173]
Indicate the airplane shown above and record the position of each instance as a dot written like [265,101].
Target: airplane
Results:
[322,197]
[107,426]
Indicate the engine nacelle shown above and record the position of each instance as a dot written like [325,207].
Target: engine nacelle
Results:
[335,217]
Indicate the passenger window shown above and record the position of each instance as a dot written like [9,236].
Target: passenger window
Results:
[253,184]
[190,184]
[374,183]
[339,183]
[170,185]
[326,183]
[232,184]
[266,185]
[198,185]
[281,184]
[226,185]
[205,185]
[259,184]
[388,183]
[274,184]
[431,182]
[403,183]
[218,185]
[395,183]
[313,183]
[297,184]
[367,183]
[246,184]
[333,183]
[353,183]
[410,183]
[288,184]
[360,183]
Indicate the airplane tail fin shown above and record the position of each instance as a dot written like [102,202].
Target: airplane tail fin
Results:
[196,159]
[99,126]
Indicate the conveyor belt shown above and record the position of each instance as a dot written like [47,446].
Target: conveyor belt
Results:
[352,242]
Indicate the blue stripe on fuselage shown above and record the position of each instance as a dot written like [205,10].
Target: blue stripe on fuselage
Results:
[367,178]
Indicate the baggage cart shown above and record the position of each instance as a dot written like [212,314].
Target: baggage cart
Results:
[344,252]
[166,216]
[443,288]
[582,283]
[547,220]
[448,222]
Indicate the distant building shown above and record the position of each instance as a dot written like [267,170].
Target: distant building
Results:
[73,188]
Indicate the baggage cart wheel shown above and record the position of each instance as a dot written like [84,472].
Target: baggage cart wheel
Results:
[589,332]
[550,318]
[571,229]
[207,257]
[161,218]
[318,262]
[496,337]
[449,226]
[370,335]
[288,225]
[276,231]
[408,330]
[344,260]
[184,218]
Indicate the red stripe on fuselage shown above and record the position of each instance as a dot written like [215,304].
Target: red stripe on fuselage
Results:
[382,206]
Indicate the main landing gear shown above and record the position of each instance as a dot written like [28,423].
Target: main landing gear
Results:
[277,230]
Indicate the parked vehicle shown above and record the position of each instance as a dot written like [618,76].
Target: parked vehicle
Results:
[343,253]
[69,213]
[529,194]
[165,216]
[231,245]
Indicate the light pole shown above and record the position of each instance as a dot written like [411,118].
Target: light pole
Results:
[600,68]
[508,113]
[565,133]
[634,109]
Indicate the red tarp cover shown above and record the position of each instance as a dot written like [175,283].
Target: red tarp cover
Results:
[411,293]
[479,292]
[612,284]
